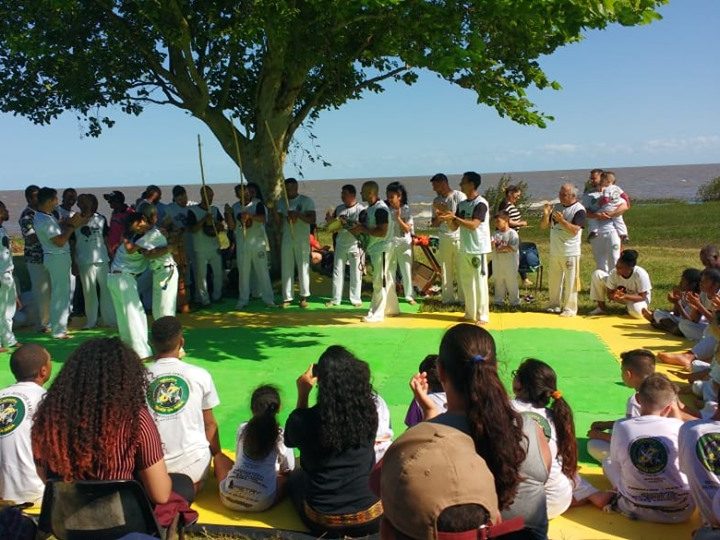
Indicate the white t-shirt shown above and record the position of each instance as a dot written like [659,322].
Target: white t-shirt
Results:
[384,435]
[378,244]
[47,228]
[90,247]
[699,447]
[64,214]
[123,261]
[6,257]
[177,395]
[345,240]
[475,242]
[155,239]
[254,235]
[251,485]
[509,238]
[301,229]
[202,242]
[638,282]
[645,449]
[399,236]
[632,409]
[18,478]
[563,243]
[449,203]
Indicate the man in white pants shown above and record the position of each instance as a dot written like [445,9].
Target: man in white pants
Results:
[93,261]
[8,291]
[39,279]
[377,228]
[347,248]
[204,221]
[472,219]
[627,284]
[54,239]
[448,254]
[295,253]
[566,221]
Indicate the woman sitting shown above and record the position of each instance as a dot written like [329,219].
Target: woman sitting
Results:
[336,440]
[627,284]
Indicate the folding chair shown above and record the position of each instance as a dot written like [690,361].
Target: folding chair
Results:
[530,262]
[96,510]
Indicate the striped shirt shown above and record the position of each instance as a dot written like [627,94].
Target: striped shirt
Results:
[512,211]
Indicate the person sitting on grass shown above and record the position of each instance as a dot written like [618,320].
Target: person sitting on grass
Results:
[257,478]
[627,284]
[643,464]
[435,391]
[693,327]
[668,320]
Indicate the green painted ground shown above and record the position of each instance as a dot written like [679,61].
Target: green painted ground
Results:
[241,358]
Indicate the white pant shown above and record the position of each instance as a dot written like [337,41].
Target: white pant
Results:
[164,291]
[197,470]
[58,268]
[564,282]
[131,319]
[295,252]
[474,283]
[202,259]
[384,298]
[353,256]
[401,256]
[505,274]
[606,250]
[92,277]
[448,257]
[252,262]
[598,293]
[40,286]
[8,296]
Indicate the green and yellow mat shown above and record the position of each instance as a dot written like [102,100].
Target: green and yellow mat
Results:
[244,350]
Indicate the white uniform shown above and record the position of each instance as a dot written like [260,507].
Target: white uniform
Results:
[699,449]
[129,311]
[605,241]
[295,249]
[564,267]
[474,247]
[177,395]
[637,283]
[93,261]
[384,298]
[8,292]
[449,249]
[19,480]
[347,251]
[251,485]
[384,435]
[401,254]
[62,216]
[164,275]
[600,450]
[613,194]
[207,252]
[57,263]
[643,466]
[251,253]
[505,267]
[39,278]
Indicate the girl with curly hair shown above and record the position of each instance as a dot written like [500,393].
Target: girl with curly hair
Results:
[94,424]
[514,448]
[336,439]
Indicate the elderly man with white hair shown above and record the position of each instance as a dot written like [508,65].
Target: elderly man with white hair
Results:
[565,221]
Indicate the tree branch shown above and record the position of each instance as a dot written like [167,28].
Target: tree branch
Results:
[379,78]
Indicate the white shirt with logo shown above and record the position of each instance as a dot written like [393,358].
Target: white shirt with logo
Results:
[254,236]
[202,242]
[699,446]
[474,241]
[301,229]
[19,481]
[47,228]
[155,239]
[346,242]
[378,244]
[638,282]
[177,395]
[562,242]
[124,261]
[401,237]
[6,257]
[90,247]
[504,239]
[450,203]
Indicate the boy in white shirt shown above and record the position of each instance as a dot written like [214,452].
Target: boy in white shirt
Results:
[643,464]
[506,260]
[19,481]
[8,291]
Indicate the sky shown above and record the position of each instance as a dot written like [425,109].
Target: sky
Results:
[636,96]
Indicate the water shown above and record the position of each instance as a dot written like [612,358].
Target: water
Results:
[660,182]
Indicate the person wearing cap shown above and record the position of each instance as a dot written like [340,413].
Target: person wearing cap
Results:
[19,480]
[120,213]
[39,278]
[448,253]
[296,214]
[54,238]
[8,291]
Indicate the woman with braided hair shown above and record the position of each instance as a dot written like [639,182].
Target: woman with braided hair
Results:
[93,423]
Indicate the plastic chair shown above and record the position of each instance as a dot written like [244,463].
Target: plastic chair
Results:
[530,262]
[96,510]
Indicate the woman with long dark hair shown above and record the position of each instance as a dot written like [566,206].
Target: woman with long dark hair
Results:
[336,439]
[514,448]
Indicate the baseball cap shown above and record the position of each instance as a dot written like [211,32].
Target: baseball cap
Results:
[429,468]
[114,196]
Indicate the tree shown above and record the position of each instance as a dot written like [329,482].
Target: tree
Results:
[275,64]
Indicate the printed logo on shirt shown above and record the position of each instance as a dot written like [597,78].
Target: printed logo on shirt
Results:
[168,394]
[707,450]
[541,421]
[648,455]
[12,413]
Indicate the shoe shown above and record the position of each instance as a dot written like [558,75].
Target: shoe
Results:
[411,301]
[285,304]
[358,305]
[331,304]
[304,303]
[553,310]
[372,319]
[62,336]
[44,330]
[527,282]
[566,313]
[597,311]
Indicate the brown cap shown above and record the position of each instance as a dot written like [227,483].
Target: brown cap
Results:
[428,469]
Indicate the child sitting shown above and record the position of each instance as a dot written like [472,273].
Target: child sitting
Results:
[643,463]
[506,260]
[257,479]
[701,304]
[669,320]
[435,391]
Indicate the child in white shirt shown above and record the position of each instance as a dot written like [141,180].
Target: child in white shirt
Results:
[506,260]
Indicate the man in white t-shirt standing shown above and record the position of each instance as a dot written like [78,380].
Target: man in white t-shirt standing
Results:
[19,481]
[181,398]
[566,221]
[448,254]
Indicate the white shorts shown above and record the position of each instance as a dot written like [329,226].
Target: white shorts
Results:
[197,470]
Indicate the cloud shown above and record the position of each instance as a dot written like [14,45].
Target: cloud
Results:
[700,142]
[560,148]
